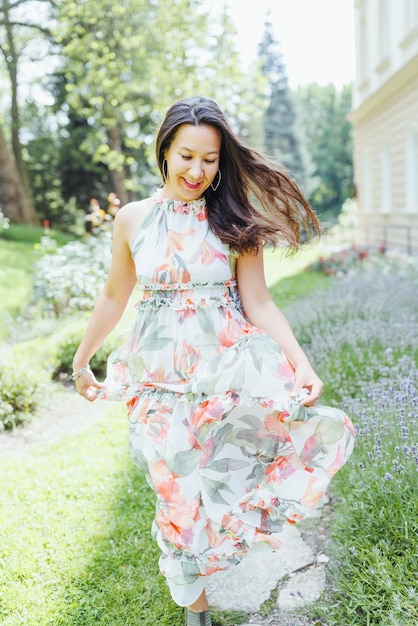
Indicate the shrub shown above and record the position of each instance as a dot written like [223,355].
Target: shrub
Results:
[376,518]
[21,387]
[361,335]
[27,367]
[357,327]
[346,261]
[4,221]
[69,278]
[66,347]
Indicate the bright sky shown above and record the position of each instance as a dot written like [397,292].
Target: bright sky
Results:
[317,36]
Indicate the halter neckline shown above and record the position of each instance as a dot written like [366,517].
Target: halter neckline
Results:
[180,206]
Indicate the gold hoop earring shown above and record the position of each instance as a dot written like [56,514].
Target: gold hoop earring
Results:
[214,188]
[164,167]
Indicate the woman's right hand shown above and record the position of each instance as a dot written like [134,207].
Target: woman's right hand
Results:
[87,386]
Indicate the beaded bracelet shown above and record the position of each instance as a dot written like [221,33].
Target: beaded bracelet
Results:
[76,375]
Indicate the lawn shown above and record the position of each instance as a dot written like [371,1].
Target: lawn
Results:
[75,543]
[75,536]
[16,262]
[17,258]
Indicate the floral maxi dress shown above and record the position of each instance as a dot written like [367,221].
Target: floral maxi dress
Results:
[229,455]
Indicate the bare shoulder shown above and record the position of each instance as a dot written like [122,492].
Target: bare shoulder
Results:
[134,212]
[130,217]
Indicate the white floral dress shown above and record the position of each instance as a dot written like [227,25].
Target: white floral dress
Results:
[231,458]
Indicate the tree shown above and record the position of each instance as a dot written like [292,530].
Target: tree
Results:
[323,112]
[280,138]
[123,64]
[11,21]
[13,200]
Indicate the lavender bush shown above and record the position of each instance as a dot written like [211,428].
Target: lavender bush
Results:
[361,334]
[353,331]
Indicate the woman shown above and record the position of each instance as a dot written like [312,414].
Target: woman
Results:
[221,397]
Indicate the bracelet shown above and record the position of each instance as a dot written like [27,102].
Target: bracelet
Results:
[76,375]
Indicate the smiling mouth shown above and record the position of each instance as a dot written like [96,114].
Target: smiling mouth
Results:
[190,185]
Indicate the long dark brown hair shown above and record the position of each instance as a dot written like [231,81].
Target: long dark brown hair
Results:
[282,213]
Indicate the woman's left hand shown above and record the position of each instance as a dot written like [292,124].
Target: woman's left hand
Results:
[305,378]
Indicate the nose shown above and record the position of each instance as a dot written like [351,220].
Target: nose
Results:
[196,170]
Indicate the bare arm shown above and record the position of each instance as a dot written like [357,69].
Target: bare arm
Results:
[110,304]
[263,313]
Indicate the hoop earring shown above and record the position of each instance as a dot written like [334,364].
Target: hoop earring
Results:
[214,188]
[164,168]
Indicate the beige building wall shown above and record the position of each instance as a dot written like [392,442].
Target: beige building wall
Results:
[385,122]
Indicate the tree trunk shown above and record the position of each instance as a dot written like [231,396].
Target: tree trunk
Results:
[117,176]
[27,209]
[13,201]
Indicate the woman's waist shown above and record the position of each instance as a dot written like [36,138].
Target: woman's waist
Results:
[189,295]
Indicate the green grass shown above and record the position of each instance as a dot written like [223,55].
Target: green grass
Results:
[16,262]
[75,543]
[23,233]
[17,258]
[278,266]
[287,278]
[75,540]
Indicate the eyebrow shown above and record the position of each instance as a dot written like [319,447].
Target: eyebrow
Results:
[190,150]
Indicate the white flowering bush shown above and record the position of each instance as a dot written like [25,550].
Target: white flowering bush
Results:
[69,278]
[4,221]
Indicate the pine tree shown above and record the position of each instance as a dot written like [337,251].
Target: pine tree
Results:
[280,138]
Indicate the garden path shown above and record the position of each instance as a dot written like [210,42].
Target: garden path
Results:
[294,576]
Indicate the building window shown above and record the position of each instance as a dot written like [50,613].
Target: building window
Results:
[412,171]
[386,181]
[384,29]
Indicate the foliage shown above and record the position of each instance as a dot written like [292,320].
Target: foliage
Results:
[115,69]
[346,261]
[280,138]
[22,385]
[361,336]
[119,63]
[327,137]
[28,365]
[46,171]
[348,329]
[65,345]
[377,514]
[70,278]
[21,30]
